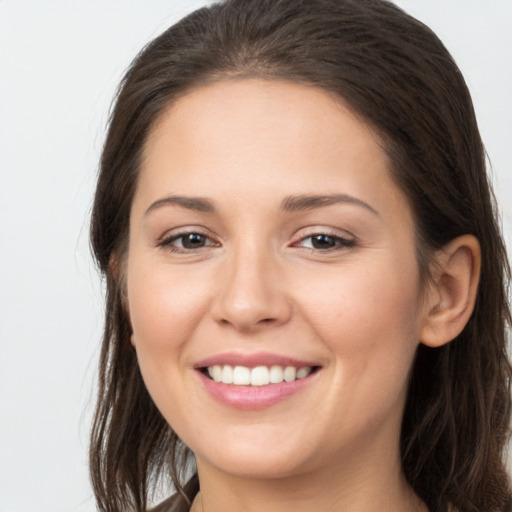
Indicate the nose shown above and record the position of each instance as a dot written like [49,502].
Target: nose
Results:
[252,294]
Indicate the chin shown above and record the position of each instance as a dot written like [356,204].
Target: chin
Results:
[255,464]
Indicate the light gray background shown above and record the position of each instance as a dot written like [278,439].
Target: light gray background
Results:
[60,62]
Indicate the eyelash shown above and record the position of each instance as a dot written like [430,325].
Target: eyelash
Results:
[339,243]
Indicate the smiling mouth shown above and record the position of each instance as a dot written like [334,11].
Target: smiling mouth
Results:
[257,376]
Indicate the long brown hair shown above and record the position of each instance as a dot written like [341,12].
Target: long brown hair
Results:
[397,76]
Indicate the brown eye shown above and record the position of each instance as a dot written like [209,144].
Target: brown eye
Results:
[183,242]
[325,242]
[192,240]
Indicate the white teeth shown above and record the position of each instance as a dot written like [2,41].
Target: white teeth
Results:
[241,376]
[276,375]
[303,372]
[227,375]
[217,373]
[289,374]
[258,376]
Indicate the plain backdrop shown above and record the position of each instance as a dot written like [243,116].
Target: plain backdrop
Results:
[60,62]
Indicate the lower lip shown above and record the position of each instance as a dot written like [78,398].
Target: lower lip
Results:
[253,397]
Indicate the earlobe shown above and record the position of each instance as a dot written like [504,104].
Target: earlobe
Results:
[453,292]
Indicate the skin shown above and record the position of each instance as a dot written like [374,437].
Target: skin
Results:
[259,285]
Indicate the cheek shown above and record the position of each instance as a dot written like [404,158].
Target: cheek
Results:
[369,319]
[164,306]
[164,309]
[365,302]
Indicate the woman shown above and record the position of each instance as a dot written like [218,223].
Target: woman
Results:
[306,283]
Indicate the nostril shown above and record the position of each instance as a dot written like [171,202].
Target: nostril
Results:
[250,311]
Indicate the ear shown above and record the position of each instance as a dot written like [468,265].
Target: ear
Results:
[452,296]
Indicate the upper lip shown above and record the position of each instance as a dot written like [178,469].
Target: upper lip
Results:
[253,360]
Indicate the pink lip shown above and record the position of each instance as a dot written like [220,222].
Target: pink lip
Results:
[252,360]
[252,397]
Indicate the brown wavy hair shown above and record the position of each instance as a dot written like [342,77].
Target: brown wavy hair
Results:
[399,78]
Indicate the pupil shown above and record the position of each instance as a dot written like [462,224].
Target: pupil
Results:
[323,241]
[193,240]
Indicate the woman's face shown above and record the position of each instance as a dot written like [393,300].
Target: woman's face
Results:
[269,245]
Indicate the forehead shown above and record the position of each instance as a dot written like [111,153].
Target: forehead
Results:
[271,137]
[253,107]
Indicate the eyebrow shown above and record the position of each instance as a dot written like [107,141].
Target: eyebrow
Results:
[289,204]
[306,202]
[199,204]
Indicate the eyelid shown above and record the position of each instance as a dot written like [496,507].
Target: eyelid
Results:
[323,230]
